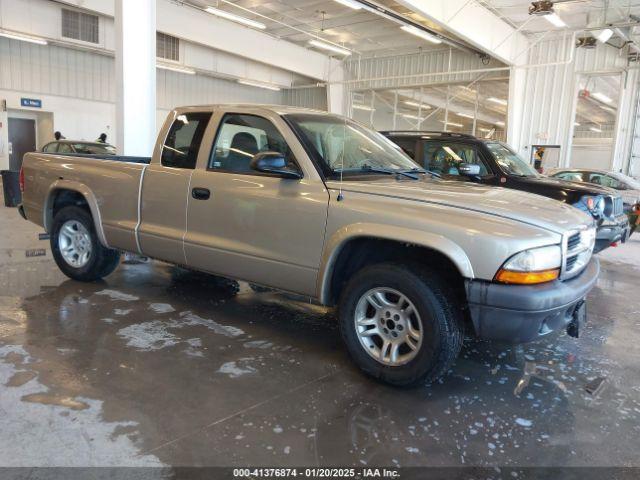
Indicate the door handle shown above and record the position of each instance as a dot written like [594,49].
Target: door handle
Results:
[201,193]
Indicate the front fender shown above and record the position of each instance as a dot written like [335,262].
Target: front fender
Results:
[88,195]
[341,237]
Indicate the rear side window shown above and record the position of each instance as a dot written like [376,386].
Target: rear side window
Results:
[604,180]
[444,158]
[50,147]
[181,147]
[64,148]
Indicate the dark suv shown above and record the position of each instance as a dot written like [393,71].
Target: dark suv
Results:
[456,156]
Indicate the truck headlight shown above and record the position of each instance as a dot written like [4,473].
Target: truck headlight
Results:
[537,265]
[593,204]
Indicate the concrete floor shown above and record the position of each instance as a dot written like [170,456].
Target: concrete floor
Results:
[155,366]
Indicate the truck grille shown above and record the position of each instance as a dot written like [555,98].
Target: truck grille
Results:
[614,206]
[577,251]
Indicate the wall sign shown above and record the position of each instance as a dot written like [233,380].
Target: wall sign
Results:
[31,102]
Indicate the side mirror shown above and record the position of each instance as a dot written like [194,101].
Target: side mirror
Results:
[469,169]
[273,163]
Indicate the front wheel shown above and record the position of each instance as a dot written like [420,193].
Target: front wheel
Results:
[76,247]
[400,325]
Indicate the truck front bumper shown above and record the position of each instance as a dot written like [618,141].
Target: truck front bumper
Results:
[522,313]
[612,231]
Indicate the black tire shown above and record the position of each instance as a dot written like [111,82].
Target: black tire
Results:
[102,261]
[260,288]
[441,318]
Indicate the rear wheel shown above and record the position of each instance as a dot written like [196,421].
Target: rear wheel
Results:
[76,247]
[400,325]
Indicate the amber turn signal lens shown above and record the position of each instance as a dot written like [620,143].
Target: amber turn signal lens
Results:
[527,278]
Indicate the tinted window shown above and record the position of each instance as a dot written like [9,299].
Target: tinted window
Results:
[445,157]
[570,176]
[510,162]
[64,148]
[240,137]
[50,147]
[408,145]
[94,149]
[182,145]
[604,180]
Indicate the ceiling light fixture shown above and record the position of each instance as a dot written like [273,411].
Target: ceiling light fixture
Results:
[604,35]
[411,117]
[362,107]
[576,124]
[176,68]
[500,124]
[255,83]
[329,47]
[235,18]
[595,129]
[555,20]
[421,33]
[499,101]
[23,38]
[602,97]
[350,4]
[544,8]
[417,104]
[465,115]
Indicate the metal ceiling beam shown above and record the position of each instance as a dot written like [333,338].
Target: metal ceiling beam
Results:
[381,10]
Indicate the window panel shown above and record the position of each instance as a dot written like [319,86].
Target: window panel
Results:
[444,157]
[182,145]
[240,137]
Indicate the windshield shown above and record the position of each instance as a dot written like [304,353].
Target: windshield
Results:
[94,149]
[510,162]
[631,182]
[345,146]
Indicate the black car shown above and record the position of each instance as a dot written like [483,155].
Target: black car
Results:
[462,157]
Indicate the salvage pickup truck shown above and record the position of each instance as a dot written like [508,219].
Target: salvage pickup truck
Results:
[321,206]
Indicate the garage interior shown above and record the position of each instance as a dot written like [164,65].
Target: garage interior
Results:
[159,366]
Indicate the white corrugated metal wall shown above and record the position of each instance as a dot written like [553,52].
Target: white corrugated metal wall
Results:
[63,76]
[551,87]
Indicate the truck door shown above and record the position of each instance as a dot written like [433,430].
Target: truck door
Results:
[253,226]
[165,189]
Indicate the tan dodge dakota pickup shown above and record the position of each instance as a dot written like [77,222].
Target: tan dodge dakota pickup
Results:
[318,205]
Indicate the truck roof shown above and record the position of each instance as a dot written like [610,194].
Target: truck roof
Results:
[279,109]
[432,134]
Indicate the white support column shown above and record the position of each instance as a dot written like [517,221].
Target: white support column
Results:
[515,111]
[135,22]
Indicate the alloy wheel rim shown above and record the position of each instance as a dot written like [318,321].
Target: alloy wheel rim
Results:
[74,243]
[388,326]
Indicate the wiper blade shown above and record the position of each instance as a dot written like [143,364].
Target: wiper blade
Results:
[385,171]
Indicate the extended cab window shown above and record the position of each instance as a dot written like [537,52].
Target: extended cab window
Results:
[240,137]
[445,157]
[180,149]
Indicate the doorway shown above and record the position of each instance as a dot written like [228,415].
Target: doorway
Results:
[22,139]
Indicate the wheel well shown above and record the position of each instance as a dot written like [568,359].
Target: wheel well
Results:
[64,198]
[361,252]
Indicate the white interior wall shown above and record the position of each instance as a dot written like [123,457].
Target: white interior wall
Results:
[549,92]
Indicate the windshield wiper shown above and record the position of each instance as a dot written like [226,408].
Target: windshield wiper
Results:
[423,171]
[385,171]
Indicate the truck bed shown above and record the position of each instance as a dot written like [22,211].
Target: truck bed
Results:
[114,158]
[111,185]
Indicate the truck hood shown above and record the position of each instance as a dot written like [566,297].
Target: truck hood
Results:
[502,202]
[568,186]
